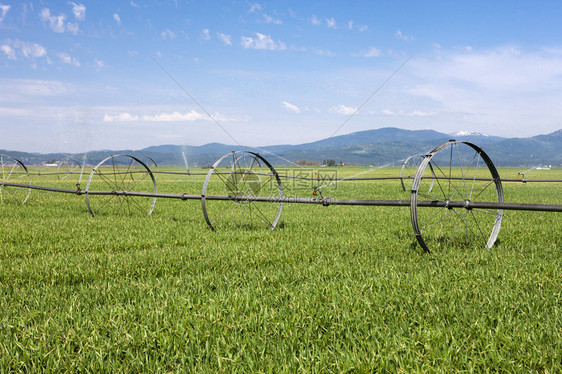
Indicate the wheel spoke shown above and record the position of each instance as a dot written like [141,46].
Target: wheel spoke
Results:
[449,182]
[260,214]
[105,204]
[483,188]
[477,224]
[227,211]
[430,221]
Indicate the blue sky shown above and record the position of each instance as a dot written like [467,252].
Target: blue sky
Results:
[83,75]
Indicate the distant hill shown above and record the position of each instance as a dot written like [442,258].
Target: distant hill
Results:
[383,135]
[387,145]
[534,151]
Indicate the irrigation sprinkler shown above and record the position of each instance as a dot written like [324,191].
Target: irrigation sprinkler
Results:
[14,171]
[456,196]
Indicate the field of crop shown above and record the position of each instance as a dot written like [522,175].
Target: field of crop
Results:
[331,289]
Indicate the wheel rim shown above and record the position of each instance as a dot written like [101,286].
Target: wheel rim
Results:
[152,165]
[68,168]
[408,171]
[13,171]
[114,175]
[241,176]
[453,172]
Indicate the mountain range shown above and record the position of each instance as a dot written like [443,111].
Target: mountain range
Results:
[371,147]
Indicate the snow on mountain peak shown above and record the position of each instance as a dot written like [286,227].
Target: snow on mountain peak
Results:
[469,133]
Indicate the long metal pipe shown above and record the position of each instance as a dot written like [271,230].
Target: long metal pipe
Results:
[303,200]
[515,180]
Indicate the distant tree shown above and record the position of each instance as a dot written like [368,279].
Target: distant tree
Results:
[307,163]
[330,162]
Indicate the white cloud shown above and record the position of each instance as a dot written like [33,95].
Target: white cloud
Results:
[98,64]
[420,113]
[342,109]
[331,23]
[4,10]
[12,112]
[117,18]
[324,52]
[360,28]
[291,107]
[21,90]
[398,34]
[65,58]
[226,39]
[134,5]
[255,7]
[56,23]
[79,11]
[205,34]
[123,117]
[163,117]
[168,34]
[388,112]
[27,49]
[9,51]
[269,19]
[504,91]
[503,69]
[315,21]
[262,42]
[72,27]
[371,52]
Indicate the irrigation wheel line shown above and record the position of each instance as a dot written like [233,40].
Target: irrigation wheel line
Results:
[243,177]
[13,170]
[456,195]
[463,173]
[67,168]
[113,184]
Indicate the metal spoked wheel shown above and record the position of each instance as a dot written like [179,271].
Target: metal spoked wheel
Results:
[408,171]
[121,185]
[152,165]
[441,215]
[68,168]
[231,187]
[13,171]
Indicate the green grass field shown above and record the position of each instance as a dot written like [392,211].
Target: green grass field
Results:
[331,289]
